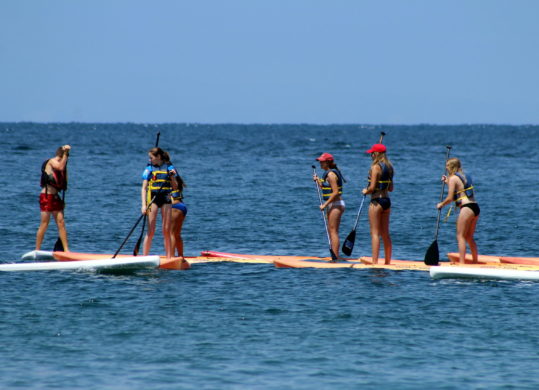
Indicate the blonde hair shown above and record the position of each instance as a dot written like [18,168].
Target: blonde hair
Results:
[381,157]
[453,165]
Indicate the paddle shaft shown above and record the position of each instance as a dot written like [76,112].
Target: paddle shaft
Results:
[333,256]
[441,195]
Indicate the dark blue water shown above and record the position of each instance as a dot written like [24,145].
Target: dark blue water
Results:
[252,326]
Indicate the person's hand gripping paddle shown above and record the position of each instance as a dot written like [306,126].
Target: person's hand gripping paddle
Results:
[432,257]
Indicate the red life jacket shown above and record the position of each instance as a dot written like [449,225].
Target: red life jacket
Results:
[58,178]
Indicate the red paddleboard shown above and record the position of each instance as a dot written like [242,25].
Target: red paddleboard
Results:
[520,260]
[164,263]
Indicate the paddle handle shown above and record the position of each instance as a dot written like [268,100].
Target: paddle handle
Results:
[382,134]
[442,193]
[157,139]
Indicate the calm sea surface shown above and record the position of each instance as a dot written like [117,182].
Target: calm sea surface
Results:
[252,326]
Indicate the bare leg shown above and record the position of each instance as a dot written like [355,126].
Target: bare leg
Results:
[43,225]
[165,216]
[384,231]
[470,240]
[464,221]
[375,214]
[62,232]
[152,219]
[334,221]
[176,241]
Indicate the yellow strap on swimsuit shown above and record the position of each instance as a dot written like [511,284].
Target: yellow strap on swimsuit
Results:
[463,190]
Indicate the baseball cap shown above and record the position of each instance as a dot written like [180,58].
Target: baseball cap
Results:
[325,157]
[379,148]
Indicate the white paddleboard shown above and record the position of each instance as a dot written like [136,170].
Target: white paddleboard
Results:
[37,255]
[441,272]
[120,264]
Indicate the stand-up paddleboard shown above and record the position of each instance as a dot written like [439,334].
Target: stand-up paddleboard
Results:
[172,263]
[483,259]
[454,272]
[37,255]
[320,263]
[123,264]
[520,260]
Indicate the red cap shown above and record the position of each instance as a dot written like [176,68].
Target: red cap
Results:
[379,148]
[325,157]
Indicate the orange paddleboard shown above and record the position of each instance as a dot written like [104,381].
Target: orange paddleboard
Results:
[483,259]
[520,260]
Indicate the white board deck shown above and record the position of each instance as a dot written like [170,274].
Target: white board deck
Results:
[441,272]
[120,264]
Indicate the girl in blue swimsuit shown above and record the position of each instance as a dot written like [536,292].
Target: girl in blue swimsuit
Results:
[179,211]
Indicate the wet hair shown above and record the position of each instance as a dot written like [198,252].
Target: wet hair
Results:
[453,165]
[158,152]
[60,151]
[333,165]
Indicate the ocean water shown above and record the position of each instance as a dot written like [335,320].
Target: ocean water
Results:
[252,326]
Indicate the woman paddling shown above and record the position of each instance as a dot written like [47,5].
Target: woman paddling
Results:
[178,213]
[156,187]
[380,184]
[331,184]
[460,190]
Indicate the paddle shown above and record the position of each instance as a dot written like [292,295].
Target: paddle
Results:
[139,241]
[333,256]
[136,223]
[432,257]
[348,245]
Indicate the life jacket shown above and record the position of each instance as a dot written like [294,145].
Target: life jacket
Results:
[160,179]
[176,195]
[385,179]
[57,179]
[326,187]
[467,191]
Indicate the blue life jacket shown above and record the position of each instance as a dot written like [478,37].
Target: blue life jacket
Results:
[385,179]
[326,187]
[467,191]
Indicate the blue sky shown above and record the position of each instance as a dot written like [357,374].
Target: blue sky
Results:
[274,61]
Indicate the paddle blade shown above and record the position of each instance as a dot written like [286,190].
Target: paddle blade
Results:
[348,245]
[432,257]
[58,246]
[139,241]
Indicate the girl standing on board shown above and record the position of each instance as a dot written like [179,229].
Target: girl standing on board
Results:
[331,184]
[156,186]
[179,211]
[460,190]
[380,184]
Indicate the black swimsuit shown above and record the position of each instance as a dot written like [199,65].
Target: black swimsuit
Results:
[473,206]
[384,202]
